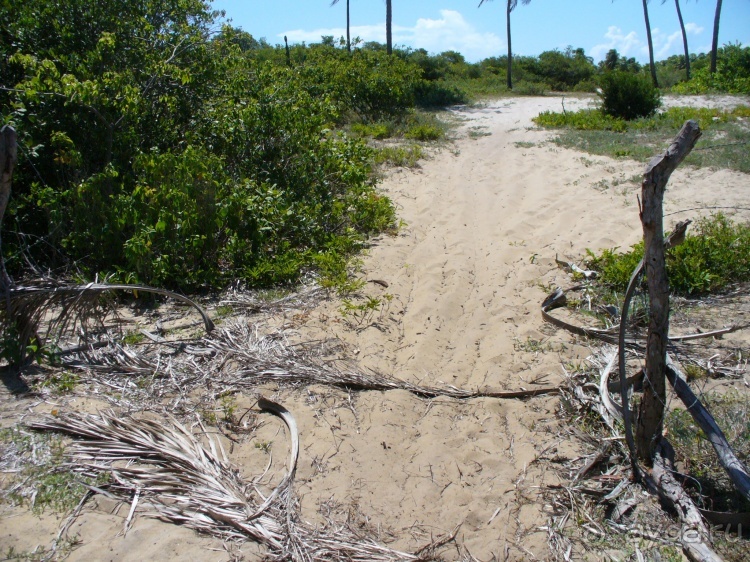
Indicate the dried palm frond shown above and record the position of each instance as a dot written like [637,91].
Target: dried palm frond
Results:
[250,301]
[187,484]
[67,306]
[238,357]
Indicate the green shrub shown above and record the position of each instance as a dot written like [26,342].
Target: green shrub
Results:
[525,88]
[216,165]
[589,86]
[732,74]
[424,127]
[714,256]
[628,96]
[439,94]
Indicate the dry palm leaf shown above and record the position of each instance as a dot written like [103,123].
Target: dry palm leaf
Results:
[28,304]
[168,467]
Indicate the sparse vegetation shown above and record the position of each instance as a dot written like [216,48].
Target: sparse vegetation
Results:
[715,254]
[40,481]
[723,144]
[708,483]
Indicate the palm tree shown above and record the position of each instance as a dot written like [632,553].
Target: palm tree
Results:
[651,64]
[388,26]
[348,39]
[684,37]
[511,6]
[715,43]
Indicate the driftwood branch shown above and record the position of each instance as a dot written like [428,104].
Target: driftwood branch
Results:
[734,467]
[655,178]
[694,536]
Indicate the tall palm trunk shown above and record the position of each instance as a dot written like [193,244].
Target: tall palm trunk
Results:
[348,37]
[511,6]
[651,64]
[388,30]
[715,43]
[684,38]
[509,79]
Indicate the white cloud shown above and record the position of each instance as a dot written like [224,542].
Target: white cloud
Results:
[628,45]
[364,32]
[449,33]
[631,45]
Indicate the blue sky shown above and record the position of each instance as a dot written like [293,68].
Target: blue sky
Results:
[478,33]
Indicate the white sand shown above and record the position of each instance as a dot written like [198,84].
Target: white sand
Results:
[484,218]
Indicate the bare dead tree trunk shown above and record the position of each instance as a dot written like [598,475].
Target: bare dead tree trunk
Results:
[348,35]
[655,178]
[8,154]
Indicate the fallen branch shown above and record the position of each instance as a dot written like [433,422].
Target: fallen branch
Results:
[733,466]
[694,537]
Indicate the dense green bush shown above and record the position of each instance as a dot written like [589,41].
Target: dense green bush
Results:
[732,73]
[715,255]
[628,96]
[439,94]
[155,152]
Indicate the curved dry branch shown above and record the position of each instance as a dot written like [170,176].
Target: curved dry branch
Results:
[626,413]
[73,298]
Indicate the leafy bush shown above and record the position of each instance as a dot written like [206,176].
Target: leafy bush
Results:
[717,254]
[525,88]
[438,94]
[732,74]
[187,167]
[628,96]
[369,83]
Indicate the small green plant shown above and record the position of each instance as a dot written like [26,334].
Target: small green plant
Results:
[264,446]
[376,131]
[362,313]
[405,156]
[43,481]
[228,408]
[424,132]
[224,310]
[61,383]
[694,372]
[133,337]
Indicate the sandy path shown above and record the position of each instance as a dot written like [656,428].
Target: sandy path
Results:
[484,218]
